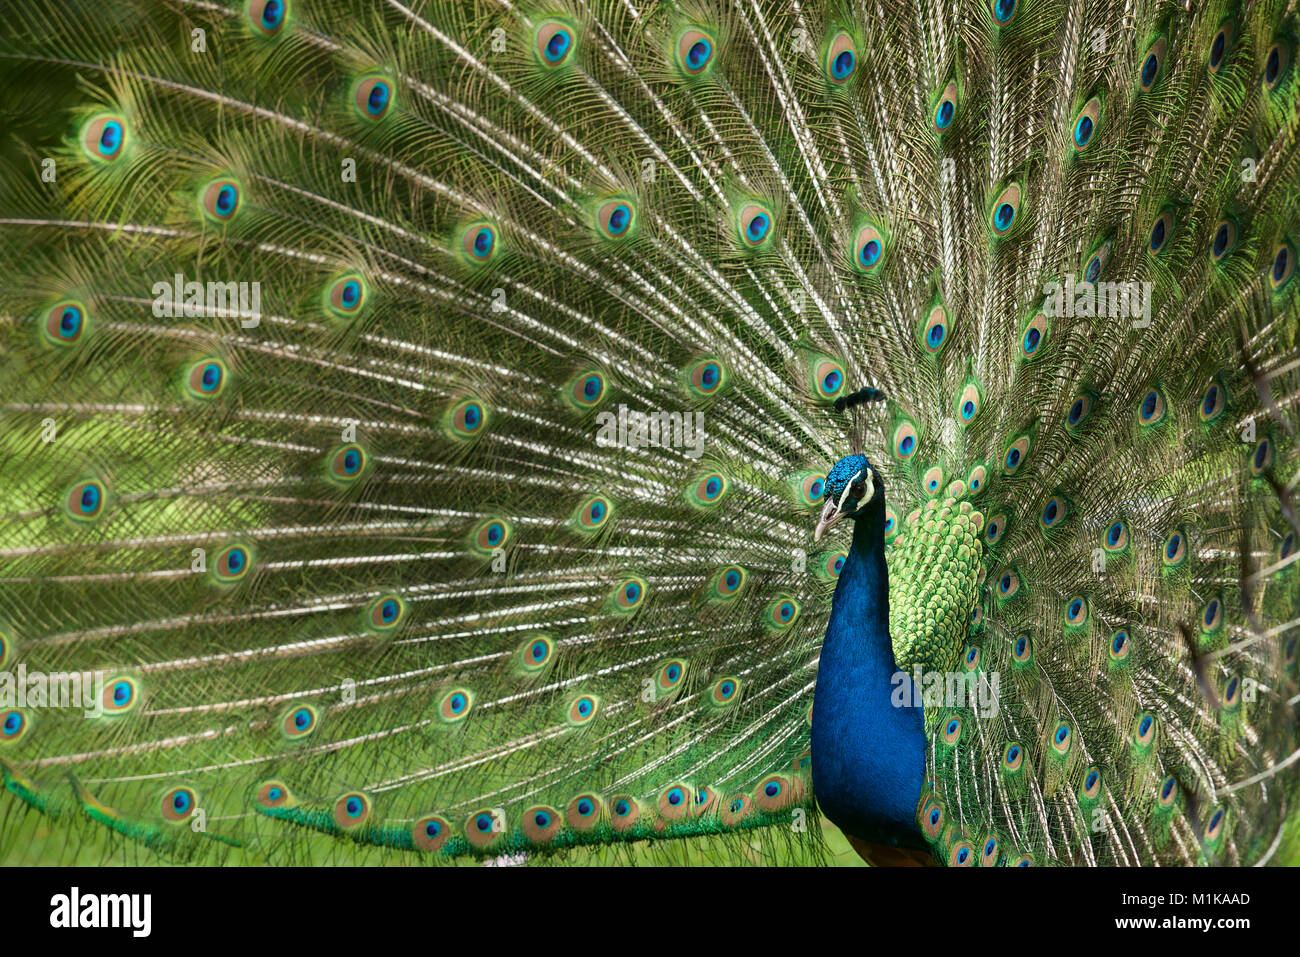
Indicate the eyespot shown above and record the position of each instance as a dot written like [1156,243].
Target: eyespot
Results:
[841,59]
[1151,411]
[1096,263]
[385,613]
[695,52]
[85,501]
[1116,537]
[345,296]
[933,331]
[1004,209]
[675,802]
[970,659]
[372,96]
[904,440]
[553,43]
[65,323]
[989,853]
[707,377]
[347,463]
[205,379]
[540,824]
[754,224]
[1086,124]
[1009,585]
[1092,783]
[490,535]
[485,827]
[104,137]
[1003,10]
[629,594]
[1219,47]
[945,111]
[1054,513]
[1213,402]
[1034,336]
[706,801]
[1212,615]
[584,812]
[178,804]
[1276,63]
[868,248]
[1022,650]
[273,794]
[892,527]
[828,380]
[586,390]
[977,479]
[1062,738]
[782,613]
[833,564]
[725,691]
[1120,646]
[968,404]
[1015,455]
[1076,612]
[1174,553]
[351,810]
[670,675]
[932,480]
[478,243]
[1161,232]
[736,809]
[456,705]
[1168,791]
[13,726]
[268,17]
[1080,409]
[931,817]
[1152,64]
[1013,758]
[535,654]
[1215,830]
[1224,240]
[232,564]
[220,200]
[430,833]
[996,528]
[1261,460]
[120,695]
[466,418]
[976,618]
[709,489]
[298,722]
[1232,692]
[594,513]
[1283,265]
[729,581]
[951,731]
[582,710]
[1144,729]
[774,793]
[811,489]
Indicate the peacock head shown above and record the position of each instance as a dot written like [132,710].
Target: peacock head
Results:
[851,485]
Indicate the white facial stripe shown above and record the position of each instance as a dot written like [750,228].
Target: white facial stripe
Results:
[845,494]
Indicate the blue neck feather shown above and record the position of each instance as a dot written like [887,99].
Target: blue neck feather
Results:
[868,756]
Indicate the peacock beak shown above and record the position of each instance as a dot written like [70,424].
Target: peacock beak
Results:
[830,515]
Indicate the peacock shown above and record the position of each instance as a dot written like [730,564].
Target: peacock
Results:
[459,432]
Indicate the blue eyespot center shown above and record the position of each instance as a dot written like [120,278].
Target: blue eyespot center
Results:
[699,53]
[943,116]
[110,137]
[558,45]
[1149,70]
[1083,131]
[377,100]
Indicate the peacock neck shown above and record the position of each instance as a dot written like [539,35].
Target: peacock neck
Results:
[868,756]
